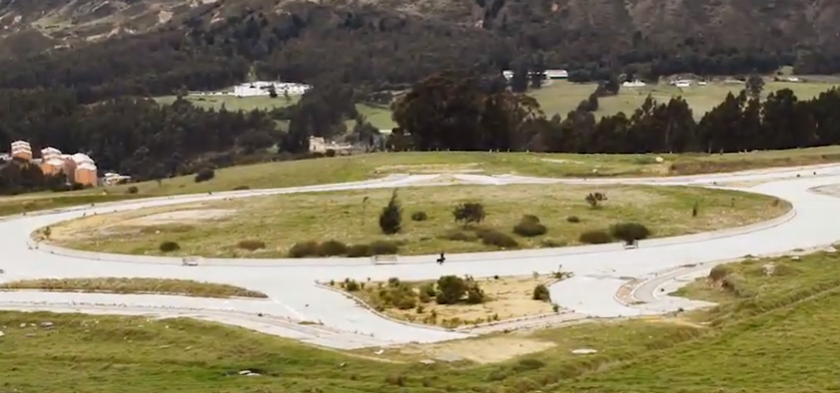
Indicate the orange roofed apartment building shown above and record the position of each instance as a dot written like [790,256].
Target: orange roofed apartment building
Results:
[78,168]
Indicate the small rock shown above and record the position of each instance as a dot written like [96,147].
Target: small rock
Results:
[795,257]
[830,249]
[769,269]
[46,324]
[342,364]
[23,325]
[584,351]
[427,362]
[252,375]
[2,334]
[379,352]
[244,372]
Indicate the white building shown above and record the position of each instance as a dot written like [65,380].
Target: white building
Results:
[635,83]
[556,74]
[255,89]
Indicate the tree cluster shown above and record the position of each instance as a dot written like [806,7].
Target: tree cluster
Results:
[449,112]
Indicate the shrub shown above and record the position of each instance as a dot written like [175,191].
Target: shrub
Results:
[359,250]
[594,199]
[719,272]
[383,247]
[419,216]
[331,248]
[595,237]
[529,226]
[304,249]
[469,213]
[241,188]
[133,190]
[168,246]
[475,295]
[629,232]
[251,245]
[351,285]
[541,293]
[204,175]
[573,219]
[495,238]
[451,289]
[391,217]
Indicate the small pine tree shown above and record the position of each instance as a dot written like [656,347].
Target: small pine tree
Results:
[390,219]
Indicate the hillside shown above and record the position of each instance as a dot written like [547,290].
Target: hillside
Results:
[197,44]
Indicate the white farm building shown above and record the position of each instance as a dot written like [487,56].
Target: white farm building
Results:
[254,89]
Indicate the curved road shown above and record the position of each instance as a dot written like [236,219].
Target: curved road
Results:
[331,319]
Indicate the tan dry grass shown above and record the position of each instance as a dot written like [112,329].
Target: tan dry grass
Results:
[507,298]
[134,286]
[283,220]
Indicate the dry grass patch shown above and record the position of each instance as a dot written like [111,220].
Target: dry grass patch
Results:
[351,217]
[134,286]
[501,298]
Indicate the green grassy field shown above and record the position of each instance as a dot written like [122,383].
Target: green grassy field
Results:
[281,221]
[379,116]
[561,97]
[134,285]
[367,166]
[783,339]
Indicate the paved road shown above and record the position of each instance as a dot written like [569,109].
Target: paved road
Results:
[336,321]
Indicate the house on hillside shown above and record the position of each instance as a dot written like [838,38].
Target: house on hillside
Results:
[556,74]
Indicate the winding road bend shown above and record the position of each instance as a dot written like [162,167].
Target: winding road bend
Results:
[299,308]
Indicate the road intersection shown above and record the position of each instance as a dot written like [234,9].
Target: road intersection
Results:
[334,320]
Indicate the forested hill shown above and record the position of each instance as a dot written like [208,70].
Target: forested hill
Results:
[157,46]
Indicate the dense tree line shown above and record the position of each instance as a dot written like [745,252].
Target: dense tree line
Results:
[365,45]
[454,112]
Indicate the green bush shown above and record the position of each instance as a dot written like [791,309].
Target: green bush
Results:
[251,245]
[595,237]
[168,246]
[573,219]
[529,226]
[451,289]
[475,295]
[719,272]
[133,190]
[495,238]
[359,250]
[383,247]
[204,175]
[419,216]
[541,293]
[390,219]
[332,248]
[469,213]
[629,232]
[351,285]
[304,249]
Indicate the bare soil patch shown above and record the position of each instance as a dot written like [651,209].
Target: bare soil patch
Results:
[484,350]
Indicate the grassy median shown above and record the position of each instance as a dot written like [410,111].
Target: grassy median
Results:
[158,286]
[287,225]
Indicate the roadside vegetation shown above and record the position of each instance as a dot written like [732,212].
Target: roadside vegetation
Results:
[783,330]
[417,221]
[158,286]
